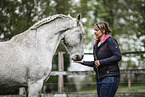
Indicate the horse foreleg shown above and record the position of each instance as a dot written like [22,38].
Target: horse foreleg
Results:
[26,91]
[34,88]
[23,91]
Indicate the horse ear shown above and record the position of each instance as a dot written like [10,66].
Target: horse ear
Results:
[78,18]
[69,14]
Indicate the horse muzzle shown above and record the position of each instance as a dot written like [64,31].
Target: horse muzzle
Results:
[77,57]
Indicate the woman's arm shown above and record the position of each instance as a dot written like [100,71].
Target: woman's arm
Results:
[86,63]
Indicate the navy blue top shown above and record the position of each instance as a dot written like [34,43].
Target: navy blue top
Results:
[108,54]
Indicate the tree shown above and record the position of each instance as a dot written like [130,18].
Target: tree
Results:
[7,14]
[18,16]
[125,17]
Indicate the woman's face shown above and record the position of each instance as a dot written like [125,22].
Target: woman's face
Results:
[98,32]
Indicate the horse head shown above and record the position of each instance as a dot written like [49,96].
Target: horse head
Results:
[74,39]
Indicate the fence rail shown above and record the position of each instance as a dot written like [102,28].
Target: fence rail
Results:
[124,53]
[60,73]
[130,71]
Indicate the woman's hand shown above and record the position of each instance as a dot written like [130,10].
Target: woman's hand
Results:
[79,62]
[97,63]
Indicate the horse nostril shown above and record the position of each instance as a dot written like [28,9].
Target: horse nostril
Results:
[78,57]
[82,56]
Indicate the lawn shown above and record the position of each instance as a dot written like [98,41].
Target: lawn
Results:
[135,88]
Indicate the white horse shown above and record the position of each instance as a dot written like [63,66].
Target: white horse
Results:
[26,59]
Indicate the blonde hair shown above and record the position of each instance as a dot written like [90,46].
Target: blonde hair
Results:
[103,26]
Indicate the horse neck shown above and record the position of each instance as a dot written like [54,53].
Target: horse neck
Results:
[52,33]
[46,37]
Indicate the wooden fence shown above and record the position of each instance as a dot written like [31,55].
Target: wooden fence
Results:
[60,73]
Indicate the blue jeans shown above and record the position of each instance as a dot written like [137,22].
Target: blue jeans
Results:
[107,87]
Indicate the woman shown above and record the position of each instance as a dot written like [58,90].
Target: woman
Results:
[106,57]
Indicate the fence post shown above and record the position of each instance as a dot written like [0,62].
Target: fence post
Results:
[129,82]
[60,69]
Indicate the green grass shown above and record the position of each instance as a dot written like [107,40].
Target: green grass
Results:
[135,88]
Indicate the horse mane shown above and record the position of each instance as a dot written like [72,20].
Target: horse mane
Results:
[48,19]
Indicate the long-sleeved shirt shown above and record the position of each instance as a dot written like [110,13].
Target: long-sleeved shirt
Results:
[108,54]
